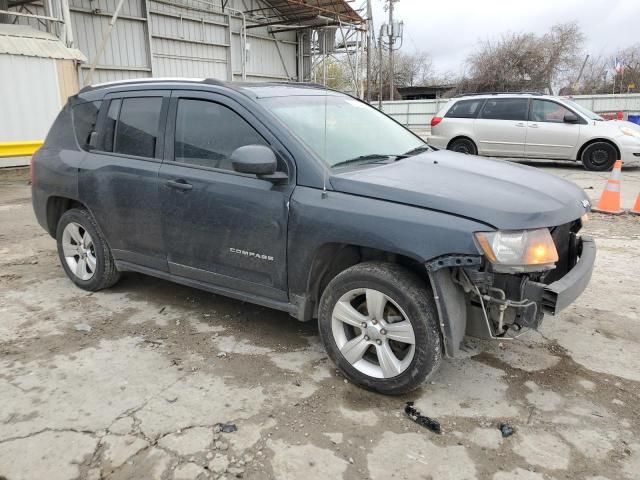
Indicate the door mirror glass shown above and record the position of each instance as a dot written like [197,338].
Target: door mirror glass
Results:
[256,159]
[570,118]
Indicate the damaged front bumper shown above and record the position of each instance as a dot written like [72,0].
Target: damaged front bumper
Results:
[474,301]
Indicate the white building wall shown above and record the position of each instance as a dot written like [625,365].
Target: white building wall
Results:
[31,100]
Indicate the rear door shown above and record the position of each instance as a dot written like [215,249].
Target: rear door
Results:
[501,127]
[548,136]
[220,226]
[118,179]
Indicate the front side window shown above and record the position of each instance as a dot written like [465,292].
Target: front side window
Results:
[547,111]
[465,109]
[207,133]
[338,128]
[505,109]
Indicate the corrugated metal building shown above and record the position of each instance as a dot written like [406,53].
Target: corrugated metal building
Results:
[38,73]
[224,39]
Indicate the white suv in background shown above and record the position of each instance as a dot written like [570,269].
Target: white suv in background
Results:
[531,125]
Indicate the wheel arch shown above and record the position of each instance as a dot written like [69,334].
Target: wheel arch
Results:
[56,207]
[332,258]
[462,137]
[595,140]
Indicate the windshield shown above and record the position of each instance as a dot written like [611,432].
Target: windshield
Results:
[584,111]
[354,130]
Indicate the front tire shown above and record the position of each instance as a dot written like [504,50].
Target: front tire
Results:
[599,157]
[463,145]
[83,251]
[378,323]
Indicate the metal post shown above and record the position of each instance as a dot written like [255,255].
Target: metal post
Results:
[4,6]
[105,38]
[66,16]
[380,70]
[391,33]
[369,49]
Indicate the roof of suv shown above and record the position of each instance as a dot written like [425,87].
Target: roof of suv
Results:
[501,94]
[253,89]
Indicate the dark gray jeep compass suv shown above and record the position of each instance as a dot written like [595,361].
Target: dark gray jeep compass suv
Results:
[314,203]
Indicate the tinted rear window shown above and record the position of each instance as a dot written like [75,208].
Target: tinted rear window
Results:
[505,109]
[84,121]
[465,109]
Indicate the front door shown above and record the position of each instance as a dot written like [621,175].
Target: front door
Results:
[548,136]
[220,226]
[501,127]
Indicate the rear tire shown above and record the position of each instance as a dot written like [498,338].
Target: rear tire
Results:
[599,157]
[379,325]
[463,145]
[83,251]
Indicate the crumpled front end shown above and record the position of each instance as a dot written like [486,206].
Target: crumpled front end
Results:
[502,305]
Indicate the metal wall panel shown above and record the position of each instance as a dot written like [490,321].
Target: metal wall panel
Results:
[126,53]
[181,38]
[187,42]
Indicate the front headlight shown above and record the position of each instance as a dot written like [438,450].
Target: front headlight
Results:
[630,132]
[524,250]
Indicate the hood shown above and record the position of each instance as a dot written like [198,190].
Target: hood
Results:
[622,123]
[504,195]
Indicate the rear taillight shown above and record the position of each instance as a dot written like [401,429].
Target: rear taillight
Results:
[33,157]
[435,121]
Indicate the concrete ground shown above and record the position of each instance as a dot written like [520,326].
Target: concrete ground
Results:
[132,382]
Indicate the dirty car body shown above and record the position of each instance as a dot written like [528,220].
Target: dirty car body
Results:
[302,214]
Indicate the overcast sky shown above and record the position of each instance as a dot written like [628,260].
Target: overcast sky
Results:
[450,29]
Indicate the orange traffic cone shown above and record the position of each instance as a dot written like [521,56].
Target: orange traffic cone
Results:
[610,200]
[636,207]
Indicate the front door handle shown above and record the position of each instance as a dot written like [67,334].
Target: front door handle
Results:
[533,125]
[520,124]
[179,184]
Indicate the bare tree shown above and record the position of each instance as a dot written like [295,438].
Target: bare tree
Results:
[524,61]
[411,70]
[628,79]
[562,48]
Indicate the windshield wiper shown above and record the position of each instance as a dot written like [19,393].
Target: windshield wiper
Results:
[414,151]
[363,158]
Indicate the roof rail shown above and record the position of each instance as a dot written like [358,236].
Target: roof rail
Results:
[471,94]
[211,81]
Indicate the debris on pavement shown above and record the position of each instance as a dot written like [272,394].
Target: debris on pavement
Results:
[222,354]
[227,427]
[82,327]
[506,430]
[414,414]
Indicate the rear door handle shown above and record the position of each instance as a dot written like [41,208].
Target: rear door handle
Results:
[533,125]
[179,184]
[520,124]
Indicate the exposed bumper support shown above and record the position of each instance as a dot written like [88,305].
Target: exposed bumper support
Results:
[562,293]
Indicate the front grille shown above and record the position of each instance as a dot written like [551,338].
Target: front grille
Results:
[565,239]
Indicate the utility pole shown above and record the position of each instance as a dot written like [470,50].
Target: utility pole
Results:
[369,49]
[391,66]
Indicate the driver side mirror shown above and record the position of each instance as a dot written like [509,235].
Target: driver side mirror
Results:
[570,118]
[259,160]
